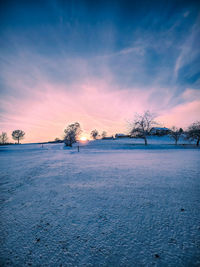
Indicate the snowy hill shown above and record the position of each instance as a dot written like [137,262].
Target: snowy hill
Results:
[111,204]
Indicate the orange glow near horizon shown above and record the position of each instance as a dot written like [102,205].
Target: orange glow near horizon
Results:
[80,64]
[96,105]
[83,139]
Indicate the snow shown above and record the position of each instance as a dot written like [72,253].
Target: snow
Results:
[111,204]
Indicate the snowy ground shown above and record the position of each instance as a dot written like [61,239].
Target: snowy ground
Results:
[111,204]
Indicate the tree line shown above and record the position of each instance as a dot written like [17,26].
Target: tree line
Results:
[141,127]
[17,135]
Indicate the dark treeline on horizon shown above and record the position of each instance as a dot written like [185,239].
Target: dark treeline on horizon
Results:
[144,125]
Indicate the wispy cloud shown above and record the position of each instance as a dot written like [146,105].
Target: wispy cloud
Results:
[189,50]
[98,73]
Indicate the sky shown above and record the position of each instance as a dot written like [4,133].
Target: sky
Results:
[99,63]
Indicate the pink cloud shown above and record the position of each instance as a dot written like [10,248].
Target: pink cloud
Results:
[182,115]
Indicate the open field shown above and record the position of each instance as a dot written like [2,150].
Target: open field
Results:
[111,204]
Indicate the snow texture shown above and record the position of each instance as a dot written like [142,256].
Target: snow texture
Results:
[111,204]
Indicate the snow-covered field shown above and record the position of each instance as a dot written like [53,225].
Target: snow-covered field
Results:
[111,204]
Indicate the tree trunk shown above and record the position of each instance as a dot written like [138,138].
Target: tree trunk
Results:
[145,141]
[197,142]
[18,140]
[176,142]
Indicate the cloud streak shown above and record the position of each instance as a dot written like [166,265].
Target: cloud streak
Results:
[97,69]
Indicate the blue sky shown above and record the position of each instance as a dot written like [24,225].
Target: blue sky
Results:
[97,62]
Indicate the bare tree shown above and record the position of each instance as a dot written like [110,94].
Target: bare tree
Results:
[18,135]
[104,134]
[142,125]
[94,133]
[3,138]
[72,133]
[193,132]
[175,133]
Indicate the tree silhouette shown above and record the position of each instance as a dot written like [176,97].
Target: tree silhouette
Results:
[104,134]
[94,133]
[72,133]
[142,125]
[3,138]
[175,133]
[193,132]
[18,135]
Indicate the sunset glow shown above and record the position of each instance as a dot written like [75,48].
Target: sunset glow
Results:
[97,66]
[100,133]
[83,139]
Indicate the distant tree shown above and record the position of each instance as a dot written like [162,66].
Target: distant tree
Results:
[72,133]
[193,132]
[57,139]
[94,133]
[142,125]
[175,133]
[104,134]
[3,138]
[18,135]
